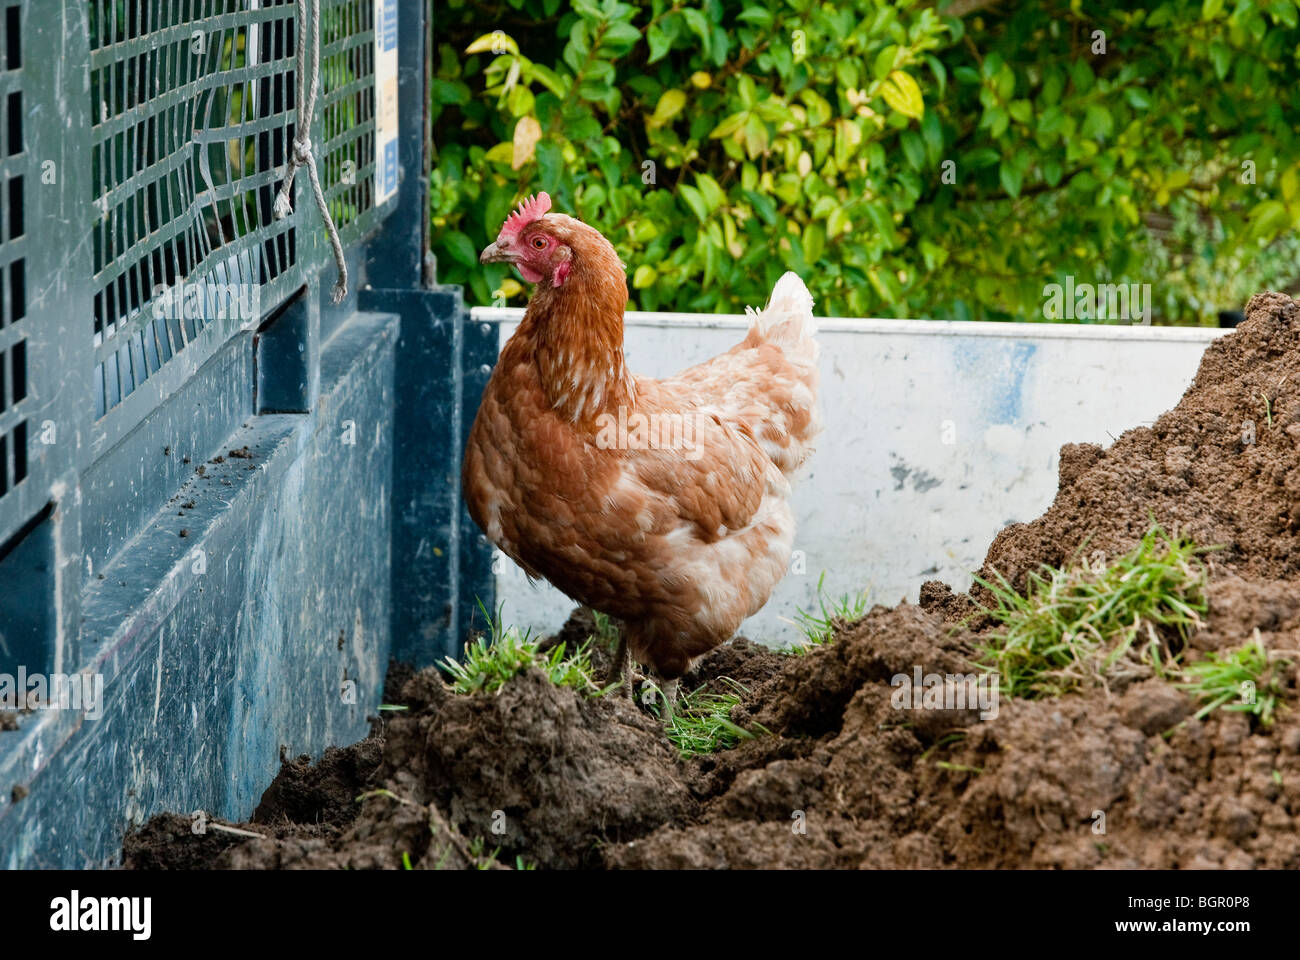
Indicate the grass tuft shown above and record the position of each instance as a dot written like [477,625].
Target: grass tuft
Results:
[1248,680]
[702,724]
[606,634]
[819,629]
[504,652]
[1087,624]
[483,860]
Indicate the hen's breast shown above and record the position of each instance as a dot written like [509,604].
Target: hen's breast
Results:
[546,497]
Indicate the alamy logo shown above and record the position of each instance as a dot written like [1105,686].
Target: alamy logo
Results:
[76,913]
[56,691]
[1116,302]
[652,431]
[208,301]
[946,691]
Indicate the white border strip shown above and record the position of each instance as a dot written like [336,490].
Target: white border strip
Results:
[936,328]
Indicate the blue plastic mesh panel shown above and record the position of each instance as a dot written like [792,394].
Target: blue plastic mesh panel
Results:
[348,114]
[193,112]
[14,396]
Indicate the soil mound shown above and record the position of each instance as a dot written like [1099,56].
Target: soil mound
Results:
[537,772]
[1088,780]
[1222,467]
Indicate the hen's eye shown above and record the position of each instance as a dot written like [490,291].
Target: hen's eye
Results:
[538,242]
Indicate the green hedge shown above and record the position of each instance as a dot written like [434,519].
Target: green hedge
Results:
[904,162]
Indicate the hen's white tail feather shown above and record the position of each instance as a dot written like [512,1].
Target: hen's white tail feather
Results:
[788,319]
[793,408]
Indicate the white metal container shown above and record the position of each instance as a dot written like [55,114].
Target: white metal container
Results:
[938,434]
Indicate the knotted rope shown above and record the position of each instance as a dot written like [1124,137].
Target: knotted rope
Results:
[307,85]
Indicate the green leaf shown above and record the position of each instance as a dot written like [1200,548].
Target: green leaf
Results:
[1010,177]
[550,163]
[996,120]
[886,284]
[1053,86]
[1006,84]
[884,64]
[710,191]
[461,248]
[669,105]
[450,92]
[883,223]
[1081,76]
[547,78]
[729,126]
[846,74]
[837,223]
[934,255]
[940,73]
[619,39]
[913,149]
[756,136]
[699,25]
[814,242]
[501,153]
[645,276]
[819,110]
[902,93]
[1050,120]
[1268,219]
[932,131]
[695,201]
[520,101]
[1221,57]
[746,90]
[1097,122]
[763,206]
[659,42]
[759,16]
[584,127]
[980,158]
[1137,98]
[788,187]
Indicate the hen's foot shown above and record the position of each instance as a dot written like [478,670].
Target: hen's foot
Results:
[669,689]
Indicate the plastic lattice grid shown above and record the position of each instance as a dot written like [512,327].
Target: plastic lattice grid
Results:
[348,114]
[193,116]
[14,396]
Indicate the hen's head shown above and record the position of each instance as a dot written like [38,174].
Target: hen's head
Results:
[546,248]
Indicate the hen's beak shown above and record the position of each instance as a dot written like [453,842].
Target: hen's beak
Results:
[495,253]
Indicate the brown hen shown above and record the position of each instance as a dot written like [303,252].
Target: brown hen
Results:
[662,503]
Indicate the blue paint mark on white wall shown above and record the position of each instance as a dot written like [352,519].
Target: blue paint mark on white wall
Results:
[1000,368]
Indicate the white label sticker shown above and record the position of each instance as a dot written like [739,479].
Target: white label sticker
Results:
[386,165]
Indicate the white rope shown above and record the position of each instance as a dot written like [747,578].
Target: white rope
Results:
[301,156]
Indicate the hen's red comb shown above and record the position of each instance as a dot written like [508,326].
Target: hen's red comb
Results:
[534,208]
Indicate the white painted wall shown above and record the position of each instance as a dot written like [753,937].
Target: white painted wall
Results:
[887,504]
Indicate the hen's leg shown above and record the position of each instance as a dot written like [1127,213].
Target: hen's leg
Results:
[669,689]
[630,676]
[621,668]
